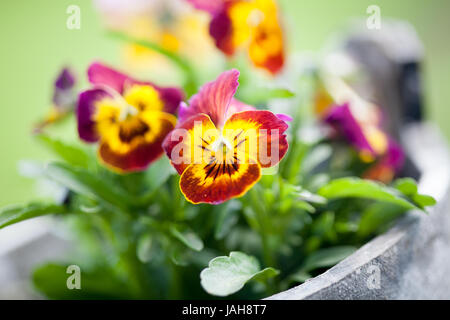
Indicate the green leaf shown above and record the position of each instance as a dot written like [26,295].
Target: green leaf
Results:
[274,93]
[323,224]
[73,155]
[408,187]
[305,195]
[315,157]
[179,255]
[13,214]
[188,238]
[359,188]
[259,94]
[300,276]
[227,218]
[144,248]
[304,206]
[51,280]
[423,200]
[83,182]
[158,173]
[327,257]
[376,216]
[227,275]
[184,65]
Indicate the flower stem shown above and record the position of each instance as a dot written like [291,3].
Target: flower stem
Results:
[190,85]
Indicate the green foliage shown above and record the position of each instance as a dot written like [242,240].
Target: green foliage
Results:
[87,184]
[14,214]
[359,188]
[227,275]
[188,238]
[74,155]
[190,85]
[257,95]
[320,259]
[408,187]
[51,279]
[376,216]
[327,257]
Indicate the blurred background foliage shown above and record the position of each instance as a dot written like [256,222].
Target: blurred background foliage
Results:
[36,44]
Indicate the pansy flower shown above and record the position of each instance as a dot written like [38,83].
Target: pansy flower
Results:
[253,24]
[221,144]
[369,140]
[389,164]
[129,118]
[359,123]
[174,25]
[63,100]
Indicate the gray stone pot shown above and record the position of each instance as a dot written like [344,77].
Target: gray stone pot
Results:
[410,261]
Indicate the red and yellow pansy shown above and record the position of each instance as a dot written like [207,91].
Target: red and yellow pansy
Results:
[129,118]
[253,24]
[221,144]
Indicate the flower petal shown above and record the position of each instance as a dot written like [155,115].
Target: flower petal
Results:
[258,127]
[142,154]
[184,111]
[255,24]
[213,98]
[395,156]
[343,121]
[221,30]
[202,183]
[238,106]
[99,73]
[64,96]
[171,97]
[284,117]
[386,168]
[211,6]
[85,110]
[185,145]
[266,48]
[66,79]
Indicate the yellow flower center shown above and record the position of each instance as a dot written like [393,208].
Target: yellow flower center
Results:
[125,122]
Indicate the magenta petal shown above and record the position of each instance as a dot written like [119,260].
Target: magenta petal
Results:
[235,106]
[342,120]
[238,106]
[284,117]
[98,73]
[211,6]
[184,112]
[85,111]
[213,98]
[63,94]
[66,80]
[220,29]
[395,156]
[171,98]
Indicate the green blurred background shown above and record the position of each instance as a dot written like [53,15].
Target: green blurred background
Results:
[36,43]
